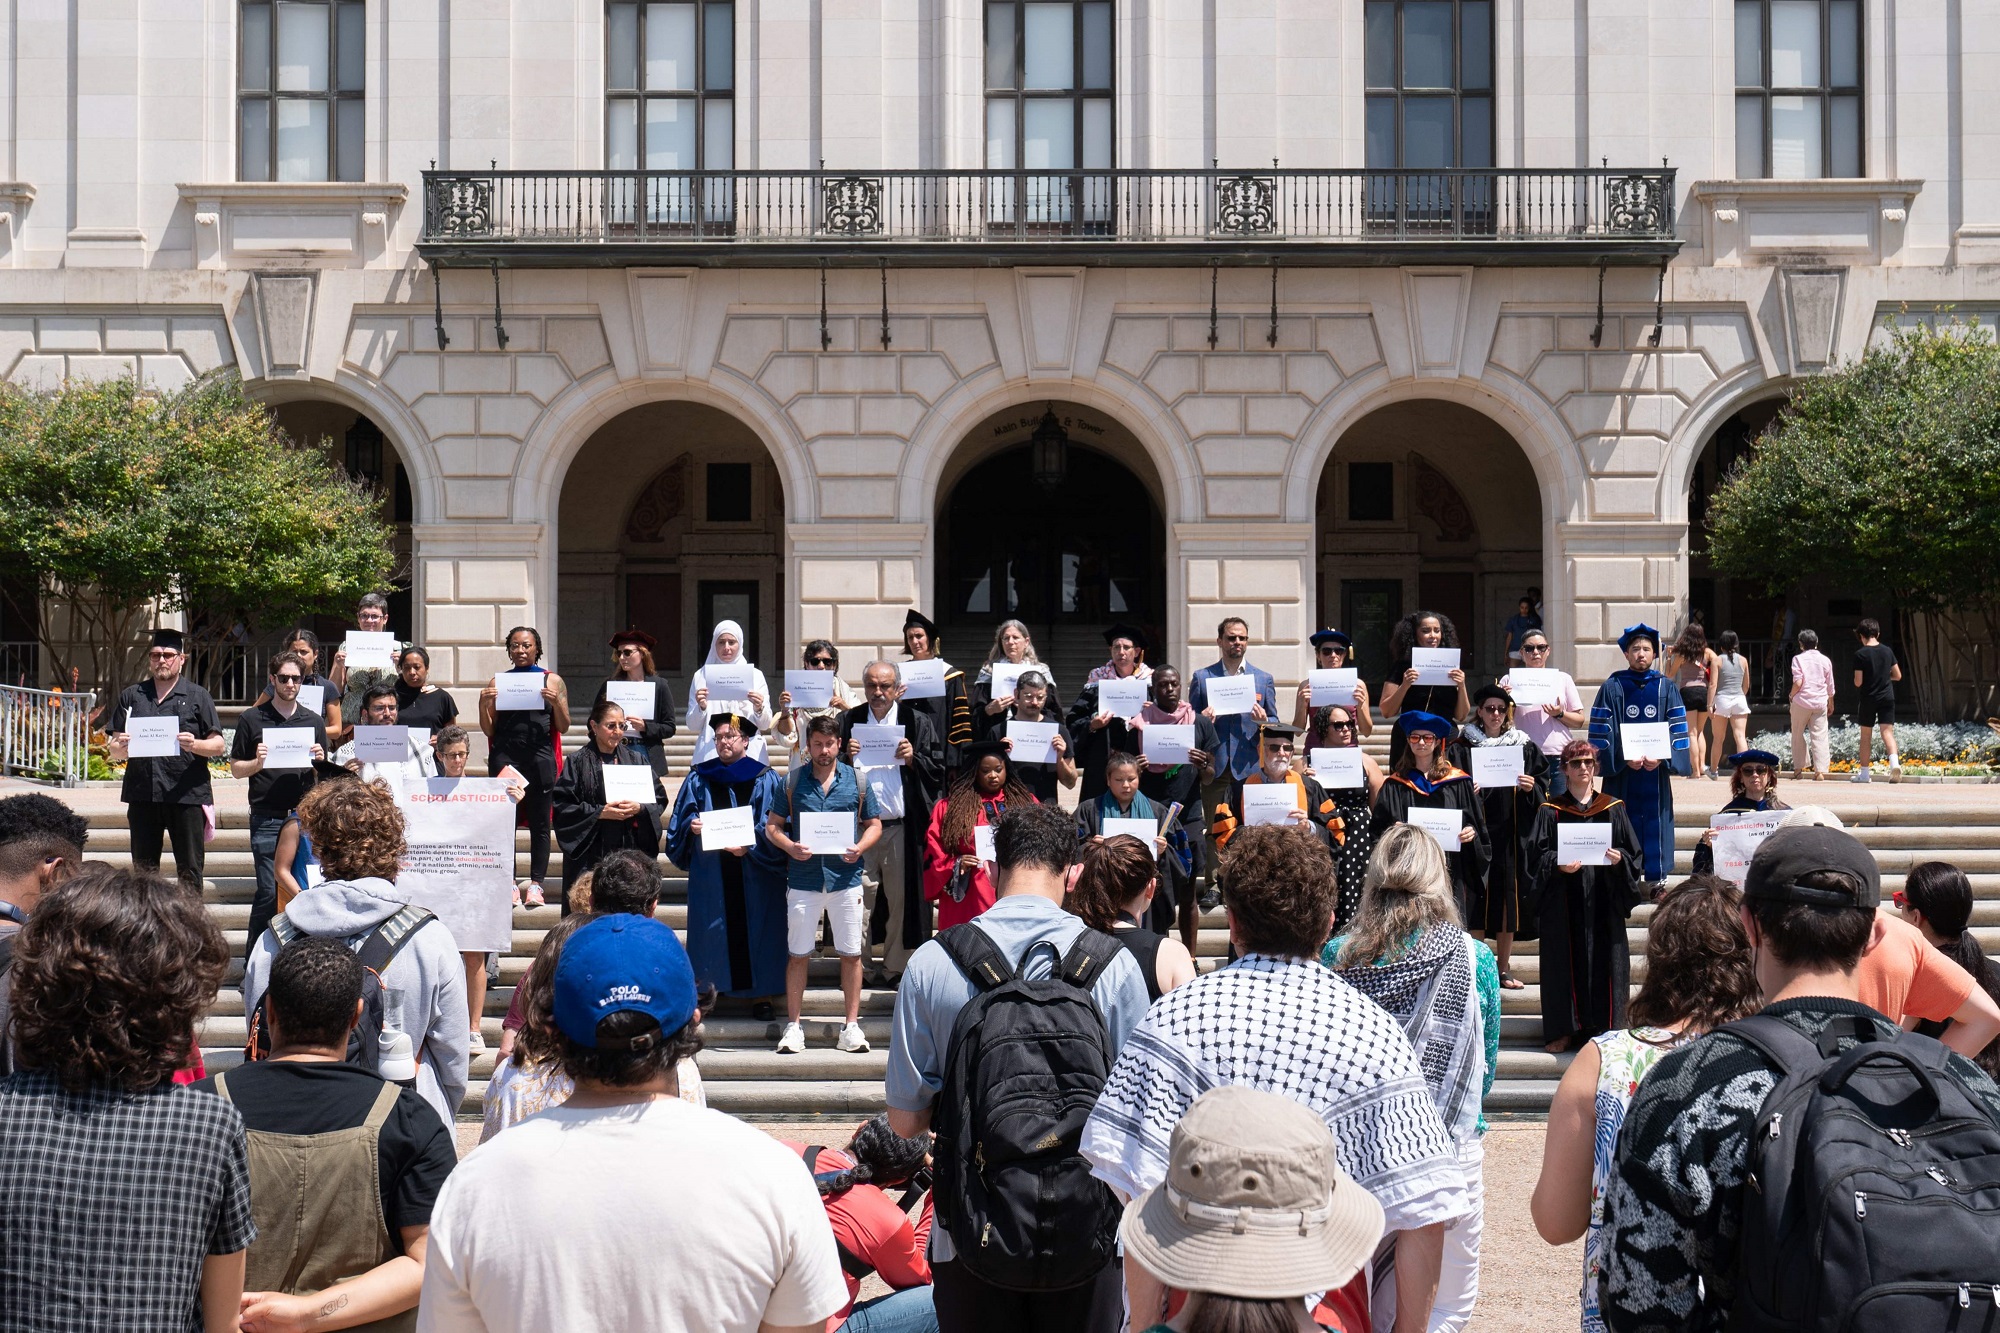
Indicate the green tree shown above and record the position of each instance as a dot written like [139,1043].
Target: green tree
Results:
[117,501]
[1884,474]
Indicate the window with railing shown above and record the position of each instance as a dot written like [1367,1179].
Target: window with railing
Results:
[300,108]
[1048,108]
[669,103]
[1798,89]
[1428,70]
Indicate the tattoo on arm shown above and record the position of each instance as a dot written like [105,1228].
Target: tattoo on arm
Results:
[333,1307]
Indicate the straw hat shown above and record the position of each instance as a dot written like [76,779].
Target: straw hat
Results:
[1254,1205]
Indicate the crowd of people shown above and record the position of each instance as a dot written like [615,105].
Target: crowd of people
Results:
[1084,1130]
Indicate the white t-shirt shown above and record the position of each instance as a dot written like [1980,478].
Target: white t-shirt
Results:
[658,1216]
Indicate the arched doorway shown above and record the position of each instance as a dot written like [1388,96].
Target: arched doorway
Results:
[1428,504]
[672,517]
[1052,516]
[1762,620]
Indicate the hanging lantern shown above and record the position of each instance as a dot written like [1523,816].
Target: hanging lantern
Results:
[1050,446]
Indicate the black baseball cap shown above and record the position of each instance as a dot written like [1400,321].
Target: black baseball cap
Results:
[1790,854]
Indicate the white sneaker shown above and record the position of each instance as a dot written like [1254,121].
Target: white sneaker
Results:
[478,1045]
[1895,770]
[852,1039]
[1862,775]
[792,1041]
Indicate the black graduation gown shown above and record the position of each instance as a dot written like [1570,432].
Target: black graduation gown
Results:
[950,717]
[1510,818]
[923,785]
[1586,963]
[579,800]
[659,729]
[1452,792]
[1704,854]
[1441,700]
[1091,747]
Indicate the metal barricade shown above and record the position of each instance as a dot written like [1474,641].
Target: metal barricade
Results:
[45,734]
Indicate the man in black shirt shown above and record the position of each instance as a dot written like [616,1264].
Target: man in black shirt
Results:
[274,792]
[41,845]
[163,797]
[1875,675]
[310,1116]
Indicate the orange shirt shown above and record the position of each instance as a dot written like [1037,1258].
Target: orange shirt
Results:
[1902,976]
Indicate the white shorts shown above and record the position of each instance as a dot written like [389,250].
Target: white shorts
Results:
[850,921]
[1731,705]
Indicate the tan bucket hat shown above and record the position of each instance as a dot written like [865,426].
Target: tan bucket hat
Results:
[1254,1205]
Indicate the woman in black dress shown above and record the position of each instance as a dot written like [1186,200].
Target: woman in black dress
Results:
[1030,703]
[1401,693]
[632,651]
[526,739]
[1427,779]
[589,826]
[1510,816]
[1586,957]
[418,702]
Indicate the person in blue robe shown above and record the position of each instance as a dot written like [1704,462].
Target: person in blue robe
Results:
[1641,695]
[736,898]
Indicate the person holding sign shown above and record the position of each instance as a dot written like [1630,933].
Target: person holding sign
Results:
[1332,651]
[1128,645]
[1640,697]
[821,663]
[306,644]
[390,751]
[822,882]
[726,683]
[637,686]
[735,895]
[1510,802]
[371,617]
[950,712]
[525,740]
[955,877]
[999,676]
[164,794]
[1546,704]
[1311,807]
[904,791]
[1426,779]
[1237,745]
[280,774]
[599,810]
[1352,825]
[418,702]
[1169,846]
[1580,909]
[1402,693]
[1753,789]
[1031,704]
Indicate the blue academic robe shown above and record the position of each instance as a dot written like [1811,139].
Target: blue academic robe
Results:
[736,904]
[1634,696]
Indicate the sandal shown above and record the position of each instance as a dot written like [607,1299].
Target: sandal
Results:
[535,898]
[1508,981]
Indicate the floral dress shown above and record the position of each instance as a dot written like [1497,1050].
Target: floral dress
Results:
[1623,1057]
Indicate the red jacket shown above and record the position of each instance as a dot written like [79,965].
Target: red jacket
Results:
[938,865]
[868,1225]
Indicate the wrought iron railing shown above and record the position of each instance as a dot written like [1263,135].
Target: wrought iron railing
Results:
[45,735]
[1296,207]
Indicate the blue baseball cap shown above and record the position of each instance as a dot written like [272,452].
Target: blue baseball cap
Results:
[618,964]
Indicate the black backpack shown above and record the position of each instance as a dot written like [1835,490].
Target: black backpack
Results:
[1873,1199]
[1026,1064]
[379,948]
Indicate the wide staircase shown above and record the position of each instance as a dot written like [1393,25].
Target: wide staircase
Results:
[745,1076]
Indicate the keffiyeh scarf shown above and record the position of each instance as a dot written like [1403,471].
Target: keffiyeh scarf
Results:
[1429,990]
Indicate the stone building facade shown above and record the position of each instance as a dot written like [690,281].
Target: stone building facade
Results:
[1440,405]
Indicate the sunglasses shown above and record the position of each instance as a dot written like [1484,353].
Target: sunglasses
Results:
[1534,647]
[1340,726]
[1580,763]
[819,661]
[288,680]
[1755,771]
[1900,898]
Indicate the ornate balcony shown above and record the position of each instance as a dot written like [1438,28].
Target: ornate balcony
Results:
[1293,216]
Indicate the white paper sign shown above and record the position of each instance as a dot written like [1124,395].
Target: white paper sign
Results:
[1737,835]
[1497,765]
[1004,677]
[1334,685]
[1534,686]
[519,691]
[313,697]
[733,826]
[809,689]
[1646,740]
[923,680]
[371,650]
[982,843]
[381,745]
[1434,665]
[1167,743]
[1123,697]
[636,697]
[878,745]
[315,876]
[1142,829]
[288,747]
[420,735]
[629,782]
[1581,842]
[1229,695]
[826,832]
[1338,768]
[1444,825]
[728,680]
[153,737]
[459,857]
[1034,742]
[1269,803]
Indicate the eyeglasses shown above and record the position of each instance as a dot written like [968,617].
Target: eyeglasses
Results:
[164,653]
[1326,648]
[1497,709]
[1340,726]
[819,661]
[1236,638]
[1579,763]
[628,651]
[1754,771]
[288,680]
[1900,898]
[1534,648]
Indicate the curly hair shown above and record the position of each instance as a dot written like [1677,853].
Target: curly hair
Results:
[1279,886]
[961,805]
[355,827]
[539,1042]
[111,974]
[880,1156]
[1698,962]
[1115,871]
[35,828]
[1404,637]
[629,1067]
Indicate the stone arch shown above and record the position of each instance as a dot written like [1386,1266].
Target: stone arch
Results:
[1698,425]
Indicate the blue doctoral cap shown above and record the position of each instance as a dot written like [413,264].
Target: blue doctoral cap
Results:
[1764,757]
[1639,631]
[1416,720]
[620,963]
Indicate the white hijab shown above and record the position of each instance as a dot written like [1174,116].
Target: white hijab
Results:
[734,631]
[697,716]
